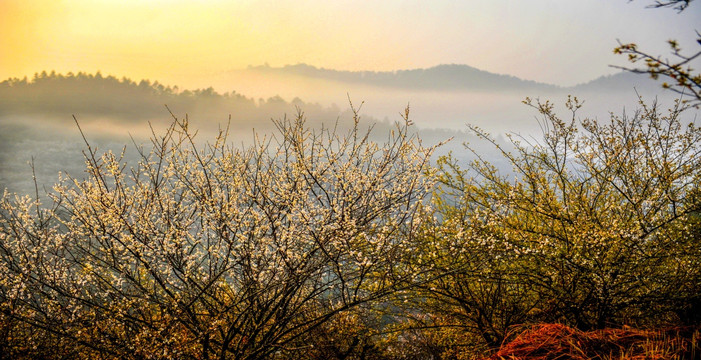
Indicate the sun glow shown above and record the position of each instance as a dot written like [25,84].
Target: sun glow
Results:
[177,40]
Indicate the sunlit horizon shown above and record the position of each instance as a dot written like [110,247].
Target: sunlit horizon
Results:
[183,42]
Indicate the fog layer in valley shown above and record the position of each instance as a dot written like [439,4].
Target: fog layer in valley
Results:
[36,115]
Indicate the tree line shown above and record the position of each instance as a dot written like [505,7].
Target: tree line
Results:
[90,95]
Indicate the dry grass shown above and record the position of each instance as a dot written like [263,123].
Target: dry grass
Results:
[555,341]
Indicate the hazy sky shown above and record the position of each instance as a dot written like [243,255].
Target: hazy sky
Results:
[174,41]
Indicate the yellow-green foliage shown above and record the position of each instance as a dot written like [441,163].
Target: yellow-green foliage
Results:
[596,225]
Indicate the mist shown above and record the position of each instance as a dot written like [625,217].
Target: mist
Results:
[37,124]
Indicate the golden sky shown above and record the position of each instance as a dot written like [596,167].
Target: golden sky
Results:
[175,41]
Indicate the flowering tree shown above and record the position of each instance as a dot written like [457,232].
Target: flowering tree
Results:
[678,69]
[597,225]
[681,77]
[214,251]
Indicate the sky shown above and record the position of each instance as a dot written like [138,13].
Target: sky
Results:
[177,41]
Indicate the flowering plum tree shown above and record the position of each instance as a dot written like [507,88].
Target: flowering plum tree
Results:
[597,225]
[681,77]
[214,251]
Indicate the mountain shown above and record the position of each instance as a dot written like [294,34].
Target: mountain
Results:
[455,77]
[622,81]
[442,77]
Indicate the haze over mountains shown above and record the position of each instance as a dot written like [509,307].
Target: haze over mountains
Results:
[36,114]
[444,96]
[451,77]
[442,77]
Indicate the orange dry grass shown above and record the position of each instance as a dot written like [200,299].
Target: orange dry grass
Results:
[555,342]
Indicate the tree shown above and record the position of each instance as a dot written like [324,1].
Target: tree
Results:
[596,226]
[683,78]
[680,5]
[212,252]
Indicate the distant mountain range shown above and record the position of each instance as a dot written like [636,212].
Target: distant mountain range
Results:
[452,77]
